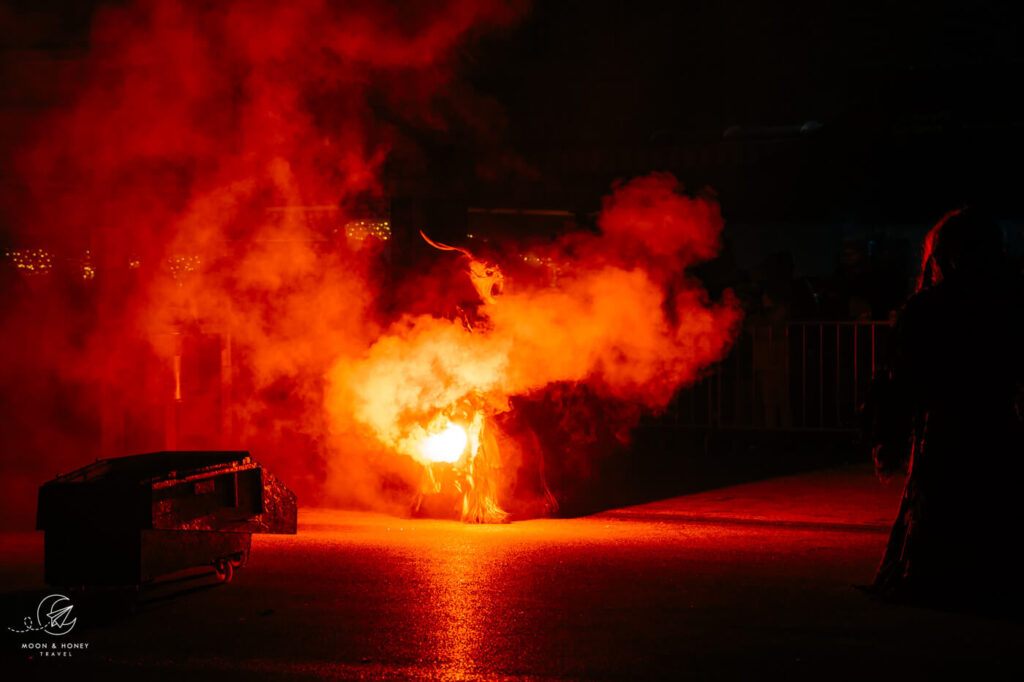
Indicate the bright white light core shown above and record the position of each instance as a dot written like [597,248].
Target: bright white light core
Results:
[446,446]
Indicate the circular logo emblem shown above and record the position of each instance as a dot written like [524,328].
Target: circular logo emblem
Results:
[54,615]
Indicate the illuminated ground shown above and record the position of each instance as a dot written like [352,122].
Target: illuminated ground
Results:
[751,581]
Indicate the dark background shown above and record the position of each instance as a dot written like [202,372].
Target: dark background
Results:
[863,120]
[833,134]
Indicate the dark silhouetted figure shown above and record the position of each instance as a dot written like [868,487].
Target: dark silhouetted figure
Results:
[949,412]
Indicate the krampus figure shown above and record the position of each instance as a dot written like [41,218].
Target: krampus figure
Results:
[946,410]
[490,472]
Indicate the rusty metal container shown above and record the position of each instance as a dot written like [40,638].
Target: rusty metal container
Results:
[129,520]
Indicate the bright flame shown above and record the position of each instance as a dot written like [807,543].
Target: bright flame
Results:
[446,446]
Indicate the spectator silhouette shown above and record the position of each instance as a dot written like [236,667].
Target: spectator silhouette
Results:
[950,416]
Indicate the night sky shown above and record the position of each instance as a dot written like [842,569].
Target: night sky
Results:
[586,72]
[915,101]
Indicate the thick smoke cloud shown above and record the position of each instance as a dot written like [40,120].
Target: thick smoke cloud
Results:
[621,316]
[165,184]
[170,156]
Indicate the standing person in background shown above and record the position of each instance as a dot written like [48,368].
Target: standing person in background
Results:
[950,417]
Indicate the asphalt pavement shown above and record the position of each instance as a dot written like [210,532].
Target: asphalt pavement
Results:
[748,582]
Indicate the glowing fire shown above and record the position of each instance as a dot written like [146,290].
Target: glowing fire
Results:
[620,317]
[387,374]
[446,446]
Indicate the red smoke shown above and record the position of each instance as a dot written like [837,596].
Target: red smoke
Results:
[178,159]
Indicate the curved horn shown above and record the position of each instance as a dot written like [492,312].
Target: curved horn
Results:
[444,247]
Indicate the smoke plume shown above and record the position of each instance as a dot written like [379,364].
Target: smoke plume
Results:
[189,190]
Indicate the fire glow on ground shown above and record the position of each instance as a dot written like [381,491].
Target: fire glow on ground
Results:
[754,580]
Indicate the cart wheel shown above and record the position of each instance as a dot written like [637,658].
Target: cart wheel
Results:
[224,570]
[239,560]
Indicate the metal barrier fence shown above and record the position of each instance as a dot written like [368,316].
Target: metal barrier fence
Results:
[788,376]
